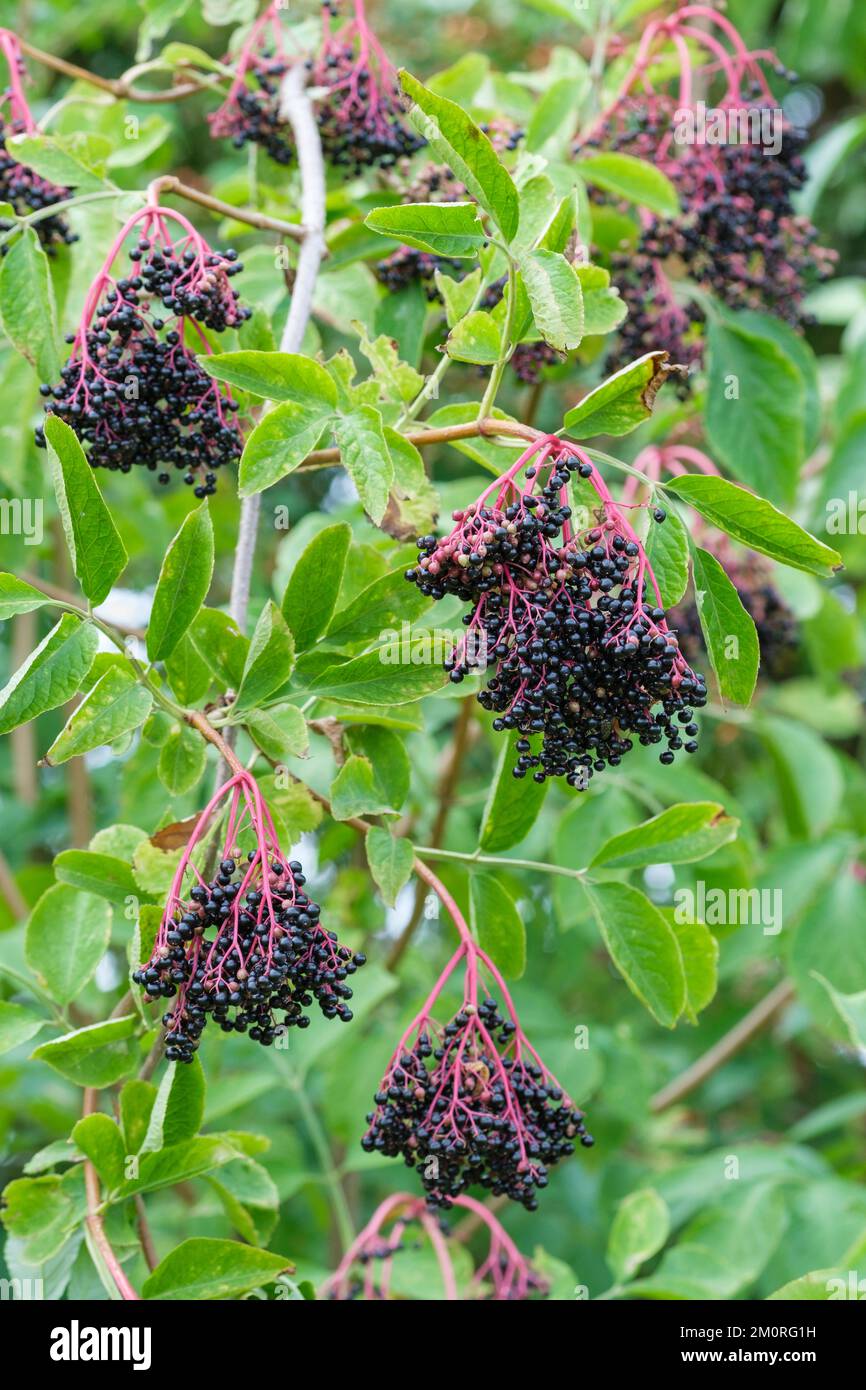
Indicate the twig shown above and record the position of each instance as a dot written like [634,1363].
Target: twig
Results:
[170,184]
[93,1219]
[144,1234]
[73,601]
[297,108]
[446,434]
[124,91]
[721,1052]
[10,890]
[445,795]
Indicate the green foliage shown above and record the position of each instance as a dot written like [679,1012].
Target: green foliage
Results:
[650,925]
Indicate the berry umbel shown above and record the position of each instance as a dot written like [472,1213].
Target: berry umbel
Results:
[570,620]
[369,1270]
[738,235]
[251,110]
[247,944]
[133,389]
[22,188]
[470,1101]
[360,107]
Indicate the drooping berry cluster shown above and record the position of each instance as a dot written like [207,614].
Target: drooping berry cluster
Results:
[22,188]
[737,235]
[246,945]
[133,389]
[582,652]
[360,110]
[470,1102]
[402,1222]
[251,110]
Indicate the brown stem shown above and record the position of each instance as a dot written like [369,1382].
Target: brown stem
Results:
[115,85]
[62,595]
[22,741]
[445,796]
[199,721]
[721,1052]
[144,1234]
[443,435]
[170,184]
[10,890]
[93,1219]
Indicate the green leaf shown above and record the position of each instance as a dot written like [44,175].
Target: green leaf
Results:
[639,1230]
[603,307]
[98,554]
[54,159]
[314,584]
[100,1139]
[182,760]
[633,179]
[755,522]
[729,630]
[455,138]
[383,605]
[476,338]
[365,456]
[700,952]
[203,1268]
[497,924]
[97,1055]
[102,874]
[444,229]
[40,1212]
[667,549]
[188,673]
[399,381]
[622,402]
[27,304]
[269,662]
[221,644]
[183,584]
[512,806]
[680,835]
[178,1110]
[755,393]
[18,1025]
[115,706]
[18,597]
[356,791]
[279,443]
[67,936]
[851,1008]
[175,1163]
[458,296]
[642,946]
[137,1099]
[809,775]
[52,673]
[368,680]
[390,858]
[280,732]
[556,297]
[277,376]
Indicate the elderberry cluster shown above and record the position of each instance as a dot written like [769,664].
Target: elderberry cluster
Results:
[135,394]
[252,115]
[583,660]
[464,1111]
[408,266]
[239,955]
[360,120]
[26,191]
